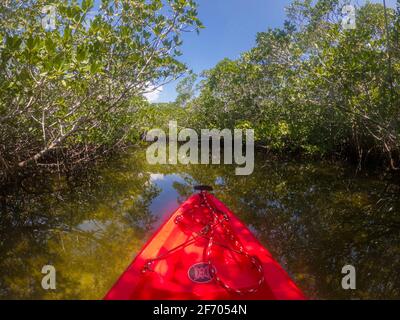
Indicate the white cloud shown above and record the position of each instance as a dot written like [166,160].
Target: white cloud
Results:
[157,177]
[153,94]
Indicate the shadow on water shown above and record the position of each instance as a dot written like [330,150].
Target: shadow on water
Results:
[314,218]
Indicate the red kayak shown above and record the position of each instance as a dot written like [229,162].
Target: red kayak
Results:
[203,252]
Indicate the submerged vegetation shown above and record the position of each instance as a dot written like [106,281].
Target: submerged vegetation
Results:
[313,217]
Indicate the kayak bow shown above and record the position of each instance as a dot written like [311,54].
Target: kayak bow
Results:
[203,252]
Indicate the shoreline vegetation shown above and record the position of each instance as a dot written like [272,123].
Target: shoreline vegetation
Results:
[310,90]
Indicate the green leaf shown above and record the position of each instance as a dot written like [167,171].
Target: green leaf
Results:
[87,4]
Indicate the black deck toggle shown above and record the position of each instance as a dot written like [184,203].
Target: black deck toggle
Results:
[203,188]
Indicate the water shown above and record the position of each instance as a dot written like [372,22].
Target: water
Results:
[315,218]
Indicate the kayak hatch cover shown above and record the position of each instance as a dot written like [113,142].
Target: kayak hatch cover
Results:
[204,252]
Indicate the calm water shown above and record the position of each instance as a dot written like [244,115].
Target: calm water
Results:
[314,218]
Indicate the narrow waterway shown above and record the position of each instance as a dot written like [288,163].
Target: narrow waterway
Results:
[314,217]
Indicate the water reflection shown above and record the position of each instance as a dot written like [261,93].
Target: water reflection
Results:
[314,218]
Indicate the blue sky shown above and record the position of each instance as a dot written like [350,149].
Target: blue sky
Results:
[231,28]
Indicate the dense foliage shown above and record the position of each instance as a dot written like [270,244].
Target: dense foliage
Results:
[69,92]
[310,87]
[313,87]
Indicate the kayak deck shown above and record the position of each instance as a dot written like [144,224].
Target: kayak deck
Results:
[204,252]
